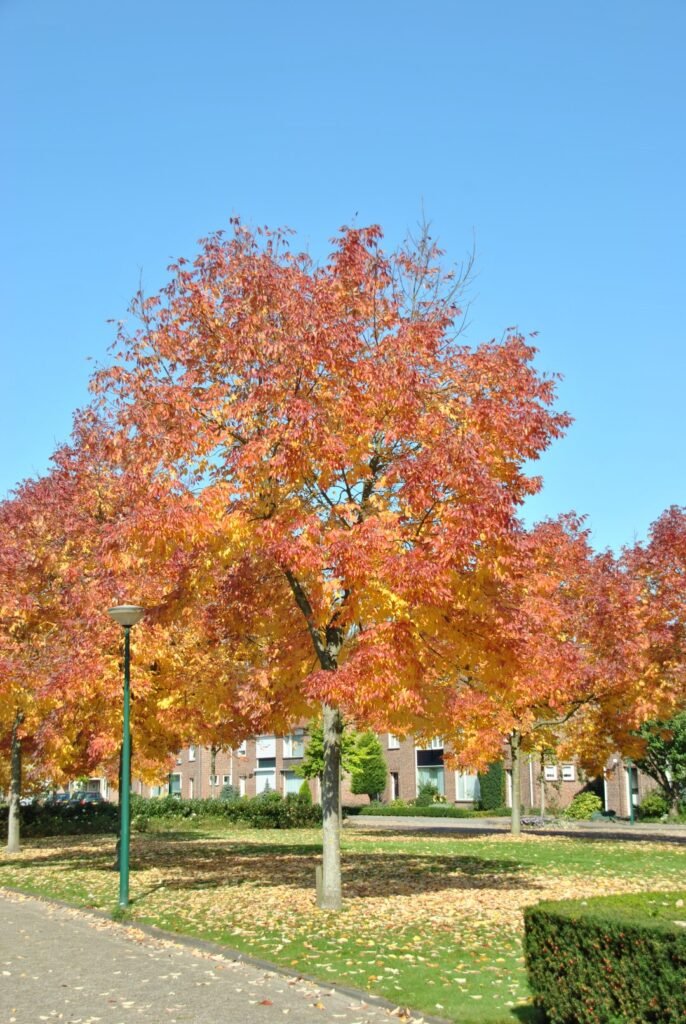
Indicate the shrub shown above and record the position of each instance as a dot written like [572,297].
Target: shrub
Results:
[305,793]
[426,795]
[229,793]
[609,960]
[492,787]
[583,806]
[654,805]
[416,811]
[64,819]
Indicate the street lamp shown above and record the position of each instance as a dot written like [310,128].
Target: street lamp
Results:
[127,615]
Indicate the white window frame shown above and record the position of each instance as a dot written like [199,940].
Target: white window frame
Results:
[226,780]
[467,789]
[550,772]
[288,776]
[288,743]
[568,773]
[393,741]
[265,746]
[191,753]
[242,750]
[214,780]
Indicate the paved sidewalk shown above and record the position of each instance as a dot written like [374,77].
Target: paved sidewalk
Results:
[59,964]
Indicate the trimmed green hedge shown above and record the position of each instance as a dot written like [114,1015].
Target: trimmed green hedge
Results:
[609,960]
[268,810]
[492,787]
[64,819]
[430,811]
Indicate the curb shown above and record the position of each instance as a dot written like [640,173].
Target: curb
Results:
[217,949]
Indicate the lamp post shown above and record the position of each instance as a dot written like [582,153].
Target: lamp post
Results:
[127,615]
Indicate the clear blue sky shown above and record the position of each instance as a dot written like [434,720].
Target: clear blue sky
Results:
[553,133]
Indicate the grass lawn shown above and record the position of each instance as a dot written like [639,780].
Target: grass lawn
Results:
[432,922]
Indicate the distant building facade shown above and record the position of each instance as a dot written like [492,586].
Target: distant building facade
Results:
[270,762]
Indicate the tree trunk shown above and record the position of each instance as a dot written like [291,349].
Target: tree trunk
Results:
[14,810]
[542,771]
[329,895]
[515,747]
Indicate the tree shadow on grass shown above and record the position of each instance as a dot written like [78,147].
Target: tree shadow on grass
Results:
[214,864]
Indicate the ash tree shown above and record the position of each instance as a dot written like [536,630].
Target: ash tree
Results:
[357,468]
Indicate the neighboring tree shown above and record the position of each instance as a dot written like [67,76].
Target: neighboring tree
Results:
[370,772]
[569,635]
[358,468]
[312,764]
[664,759]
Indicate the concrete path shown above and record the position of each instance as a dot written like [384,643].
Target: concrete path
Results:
[59,964]
[644,831]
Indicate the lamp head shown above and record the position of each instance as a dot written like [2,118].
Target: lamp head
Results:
[127,614]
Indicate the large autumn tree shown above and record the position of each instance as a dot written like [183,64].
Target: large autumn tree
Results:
[361,468]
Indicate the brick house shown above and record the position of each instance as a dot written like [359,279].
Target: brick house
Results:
[269,762]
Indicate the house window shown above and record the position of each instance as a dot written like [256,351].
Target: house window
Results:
[434,775]
[568,773]
[395,785]
[265,746]
[175,784]
[291,782]
[191,753]
[226,780]
[467,786]
[265,774]
[155,791]
[435,743]
[393,742]
[550,773]
[214,780]
[294,745]
[243,749]
[191,788]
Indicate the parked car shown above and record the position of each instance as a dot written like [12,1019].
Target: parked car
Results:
[84,796]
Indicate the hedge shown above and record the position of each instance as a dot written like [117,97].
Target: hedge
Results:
[492,787]
[268,810]
[609,960]
[64,819]
[429,811]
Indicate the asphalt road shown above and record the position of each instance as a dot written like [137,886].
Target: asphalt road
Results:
[639,831]
[59,964]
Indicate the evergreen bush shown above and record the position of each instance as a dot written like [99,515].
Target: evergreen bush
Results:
[492,787]
[609,960]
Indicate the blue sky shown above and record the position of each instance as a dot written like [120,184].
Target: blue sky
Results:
[552,134]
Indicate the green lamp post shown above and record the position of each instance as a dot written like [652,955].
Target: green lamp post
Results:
[127,615]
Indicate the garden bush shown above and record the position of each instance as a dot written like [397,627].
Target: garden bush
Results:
[268,810]
[416,811]
[427,794]
[38,820]
[609,960]
[654,805]
[492,787]
[583,807]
